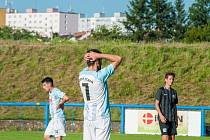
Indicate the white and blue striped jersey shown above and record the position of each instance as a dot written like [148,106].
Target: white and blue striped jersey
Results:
[94,88]
[54,98]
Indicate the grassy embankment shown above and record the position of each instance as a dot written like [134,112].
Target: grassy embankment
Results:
[24,64]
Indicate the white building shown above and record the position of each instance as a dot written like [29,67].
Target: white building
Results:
[45,24]
[99,19]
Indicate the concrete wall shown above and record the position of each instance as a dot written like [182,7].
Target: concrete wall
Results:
[38,125]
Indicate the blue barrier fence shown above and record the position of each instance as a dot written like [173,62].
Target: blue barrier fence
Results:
[122,108]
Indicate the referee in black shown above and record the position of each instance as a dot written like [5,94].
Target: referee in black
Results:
[165,102]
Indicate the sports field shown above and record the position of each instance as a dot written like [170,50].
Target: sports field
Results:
[19,135]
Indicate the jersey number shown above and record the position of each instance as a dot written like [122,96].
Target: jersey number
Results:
[86,90]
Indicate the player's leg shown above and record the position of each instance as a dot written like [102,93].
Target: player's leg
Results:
[49,131]
[89,132]
[172,137]
[46,137]
[102,134]
[103,129]
[60,128]
[164,128]
[58,138]
[173,130]
[165,137]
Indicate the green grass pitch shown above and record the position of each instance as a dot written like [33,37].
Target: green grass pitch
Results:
[19,135]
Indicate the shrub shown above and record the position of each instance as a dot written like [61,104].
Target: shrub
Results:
[197,34]
[103,33]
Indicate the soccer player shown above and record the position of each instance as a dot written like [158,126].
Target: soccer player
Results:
[93,84]
[166,100]
[57,124]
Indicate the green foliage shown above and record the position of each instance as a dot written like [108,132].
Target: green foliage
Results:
[138,18]
[199,13]
[17,34]
[103,33]
[180,27]
[197,34]
[150,20]
[163,18]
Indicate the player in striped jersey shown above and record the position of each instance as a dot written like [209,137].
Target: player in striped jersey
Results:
[166,100]
[93,84]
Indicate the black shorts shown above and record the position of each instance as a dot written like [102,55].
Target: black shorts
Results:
[168,128]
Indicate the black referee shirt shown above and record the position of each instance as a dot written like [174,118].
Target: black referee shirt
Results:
[168,100]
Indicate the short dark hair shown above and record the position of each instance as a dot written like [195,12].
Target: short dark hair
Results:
[94,50]
[47,80]
[169,74]
[89,63]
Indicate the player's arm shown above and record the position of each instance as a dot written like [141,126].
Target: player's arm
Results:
[157,105]
[114,59]
[62,101]
[176,115]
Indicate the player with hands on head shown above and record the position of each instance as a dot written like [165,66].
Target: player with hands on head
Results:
[93,84]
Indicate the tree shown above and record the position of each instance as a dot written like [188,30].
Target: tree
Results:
[137,18]
[197,34]
[181,19]
[104,33]
[6,32]
[199,13]
[163,21]
[17,34]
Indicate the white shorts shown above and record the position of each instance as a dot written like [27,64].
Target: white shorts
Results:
[97,130]
[56,127]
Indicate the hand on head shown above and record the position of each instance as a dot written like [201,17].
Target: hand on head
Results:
[91,56]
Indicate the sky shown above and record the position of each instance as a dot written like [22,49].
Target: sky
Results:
[87,7]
